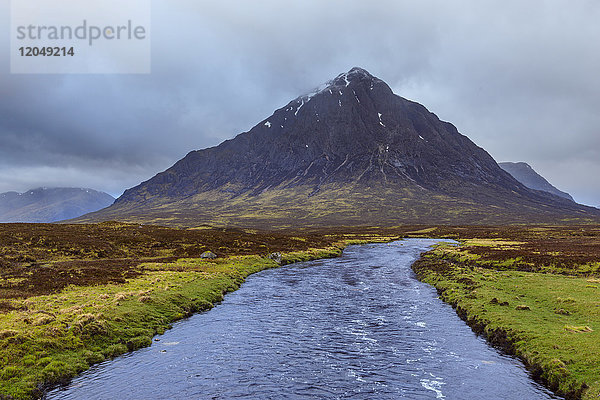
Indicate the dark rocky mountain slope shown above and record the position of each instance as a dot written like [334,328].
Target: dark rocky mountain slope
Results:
[351,153]
[51,205]
[527,176]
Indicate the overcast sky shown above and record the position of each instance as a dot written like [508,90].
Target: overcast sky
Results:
[519,78]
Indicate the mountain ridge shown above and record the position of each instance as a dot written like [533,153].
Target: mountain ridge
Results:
[351,152]
[42,205]
[525,174]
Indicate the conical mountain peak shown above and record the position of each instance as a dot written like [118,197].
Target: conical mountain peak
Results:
[353,79]
[349,150]
[355,75]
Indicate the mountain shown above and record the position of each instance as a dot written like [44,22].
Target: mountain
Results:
[527,176]
[50,205]
[350,153]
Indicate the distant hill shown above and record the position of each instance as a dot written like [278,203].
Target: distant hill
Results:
[527,176]
[51,205]
[350,153]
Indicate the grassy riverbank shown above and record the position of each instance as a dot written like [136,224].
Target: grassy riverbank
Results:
[535,292]
[74,296]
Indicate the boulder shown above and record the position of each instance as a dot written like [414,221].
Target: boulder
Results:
[275,257]
[208,255]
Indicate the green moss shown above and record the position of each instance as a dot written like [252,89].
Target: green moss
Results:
[92,357]
[113,350]
[10,372]
[28,360]
[56,371]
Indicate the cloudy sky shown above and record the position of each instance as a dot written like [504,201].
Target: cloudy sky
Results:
[520,78]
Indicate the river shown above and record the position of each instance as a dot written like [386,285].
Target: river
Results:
[356,327]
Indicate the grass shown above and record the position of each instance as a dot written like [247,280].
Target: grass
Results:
[325,204]
[49,339]
[75,295]
[544,310]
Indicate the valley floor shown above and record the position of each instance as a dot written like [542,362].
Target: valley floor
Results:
[75,295]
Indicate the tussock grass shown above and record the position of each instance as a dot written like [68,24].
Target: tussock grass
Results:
[48,336]
[75,295]
[554,324]
[578,329]
[59,335]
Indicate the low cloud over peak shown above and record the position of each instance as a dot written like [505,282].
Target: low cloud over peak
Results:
[519,78]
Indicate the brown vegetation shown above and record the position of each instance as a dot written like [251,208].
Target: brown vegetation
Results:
[37,259]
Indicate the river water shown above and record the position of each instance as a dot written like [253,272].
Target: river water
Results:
[356,327]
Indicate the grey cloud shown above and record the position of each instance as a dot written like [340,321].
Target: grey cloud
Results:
[519,78]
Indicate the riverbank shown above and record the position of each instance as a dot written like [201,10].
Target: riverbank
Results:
[75,295]
[58,336]
[63,310]
[535,295]
[355,326]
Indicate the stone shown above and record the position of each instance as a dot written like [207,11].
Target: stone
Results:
[275,257]
[208,255]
